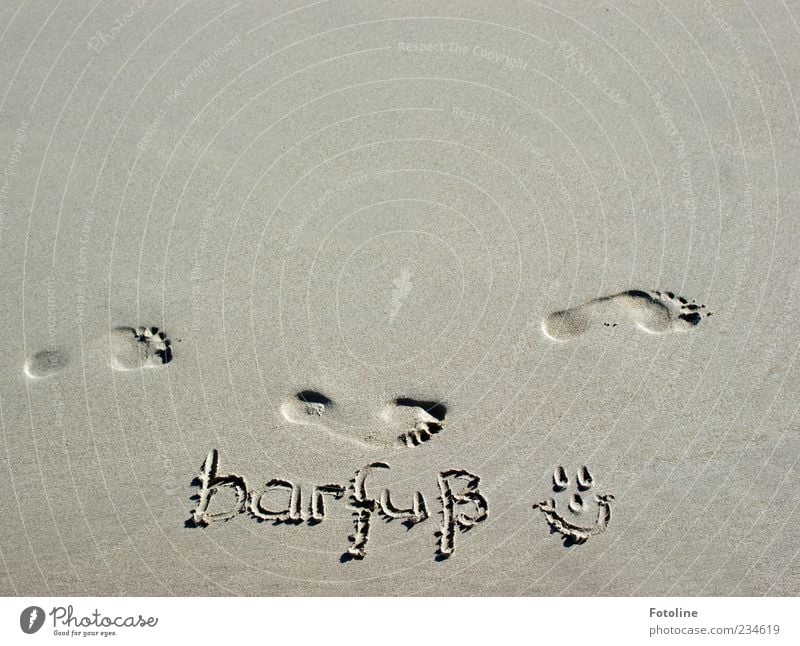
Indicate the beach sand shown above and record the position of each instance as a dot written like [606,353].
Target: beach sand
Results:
[415,298]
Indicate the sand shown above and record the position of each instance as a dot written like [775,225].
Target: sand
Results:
[419,298]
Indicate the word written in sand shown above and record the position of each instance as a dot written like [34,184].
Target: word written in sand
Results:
[462,505]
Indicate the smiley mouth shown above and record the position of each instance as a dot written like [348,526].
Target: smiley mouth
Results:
[575,534]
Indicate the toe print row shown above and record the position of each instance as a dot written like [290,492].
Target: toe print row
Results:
[427,418]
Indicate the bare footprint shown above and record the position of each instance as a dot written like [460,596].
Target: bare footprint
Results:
[136,348]
[406,422]
[45,363]
[653,312]
[418,421]
[313,409]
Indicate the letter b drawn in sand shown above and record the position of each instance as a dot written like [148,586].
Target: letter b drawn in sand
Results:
[572,532]
[210,485]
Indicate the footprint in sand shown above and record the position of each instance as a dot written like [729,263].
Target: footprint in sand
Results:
[131,349]
[142,347]
[406,422]
[654,312]
[313,409]
[45,363]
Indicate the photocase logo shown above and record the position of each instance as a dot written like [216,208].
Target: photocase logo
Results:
[31,619]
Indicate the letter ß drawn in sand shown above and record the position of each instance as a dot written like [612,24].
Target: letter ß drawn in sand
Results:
[653,312]
[451,499]
[571,532]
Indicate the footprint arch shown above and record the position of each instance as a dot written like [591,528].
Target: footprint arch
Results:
[653,312]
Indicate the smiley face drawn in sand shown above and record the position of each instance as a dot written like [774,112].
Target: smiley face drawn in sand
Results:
[576,533]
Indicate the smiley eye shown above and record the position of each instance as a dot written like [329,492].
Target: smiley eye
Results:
[585,479]
[560,479]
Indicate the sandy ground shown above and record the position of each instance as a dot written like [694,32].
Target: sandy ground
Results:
[356,298]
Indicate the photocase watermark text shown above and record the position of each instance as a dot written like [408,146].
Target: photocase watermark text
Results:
[577,63]
[101,39]
[490,55]
[172,98]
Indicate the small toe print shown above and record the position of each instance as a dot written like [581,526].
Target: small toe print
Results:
[691,317]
